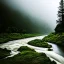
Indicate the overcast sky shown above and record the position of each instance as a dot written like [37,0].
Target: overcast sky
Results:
[42,10]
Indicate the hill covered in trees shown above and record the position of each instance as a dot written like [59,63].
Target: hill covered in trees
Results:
[58,36]
[14,21]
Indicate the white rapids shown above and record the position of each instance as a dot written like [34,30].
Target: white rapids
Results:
[14,45]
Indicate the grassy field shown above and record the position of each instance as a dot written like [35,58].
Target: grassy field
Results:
[5,37]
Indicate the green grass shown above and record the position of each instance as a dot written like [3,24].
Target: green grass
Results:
[5,37]
[55,38]
[39,43]
[28,57]
[24,48]
[4,53]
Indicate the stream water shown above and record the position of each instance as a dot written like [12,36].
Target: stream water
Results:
[57,54]
[57,49]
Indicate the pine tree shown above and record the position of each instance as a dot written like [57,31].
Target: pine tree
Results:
[60,21]
[61,12]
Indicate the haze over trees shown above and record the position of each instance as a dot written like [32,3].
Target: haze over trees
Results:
[15,21]
[58,36]
[9,20]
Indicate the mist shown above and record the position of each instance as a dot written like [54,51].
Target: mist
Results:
[42,13]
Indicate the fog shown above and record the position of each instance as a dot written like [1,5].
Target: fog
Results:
[43,11]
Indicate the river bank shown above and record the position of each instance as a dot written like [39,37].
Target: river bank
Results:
[55,38]
[14,45]
[5,37]
[28,56]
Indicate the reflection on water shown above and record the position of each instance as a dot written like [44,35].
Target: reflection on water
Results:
[57,49]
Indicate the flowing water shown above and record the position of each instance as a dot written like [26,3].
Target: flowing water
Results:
[57,49]
[57,54]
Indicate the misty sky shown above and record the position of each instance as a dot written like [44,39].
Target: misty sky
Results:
[45,11]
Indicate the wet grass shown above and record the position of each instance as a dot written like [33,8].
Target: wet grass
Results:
[4,53]
[5,37]
[55,38]
[27,56]
[39,43]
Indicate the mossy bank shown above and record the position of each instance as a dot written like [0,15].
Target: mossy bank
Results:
[28,56]
[5,37]
[55,38]
[39,43]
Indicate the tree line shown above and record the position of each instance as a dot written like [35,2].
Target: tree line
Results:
[60,26]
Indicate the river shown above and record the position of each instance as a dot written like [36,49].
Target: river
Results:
[57,54]
[57,49]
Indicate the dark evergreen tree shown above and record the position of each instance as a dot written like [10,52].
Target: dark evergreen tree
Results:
[60,21]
